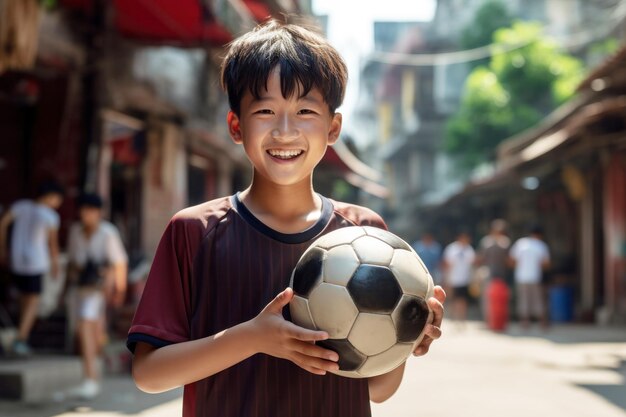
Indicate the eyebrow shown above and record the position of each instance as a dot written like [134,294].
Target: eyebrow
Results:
[307,98]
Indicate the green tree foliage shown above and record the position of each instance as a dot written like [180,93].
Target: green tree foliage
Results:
[490,17]
[527,77]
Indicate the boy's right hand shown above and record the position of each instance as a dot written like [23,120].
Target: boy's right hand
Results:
[280,338]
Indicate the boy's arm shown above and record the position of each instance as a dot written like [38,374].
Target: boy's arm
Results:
[53,245]
[4,227]
[116,283]
[157,370]
[382,387]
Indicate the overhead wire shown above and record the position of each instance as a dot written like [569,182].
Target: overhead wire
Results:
[469,55]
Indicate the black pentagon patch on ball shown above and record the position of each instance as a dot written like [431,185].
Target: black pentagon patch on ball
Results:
[411,319]
[387,237]
[350,359]
[308,271]
[374,289]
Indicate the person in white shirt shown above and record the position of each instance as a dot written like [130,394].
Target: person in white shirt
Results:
[458,262]
[97,265]
[33,251]
[530,257]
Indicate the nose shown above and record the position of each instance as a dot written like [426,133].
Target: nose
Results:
[285,129]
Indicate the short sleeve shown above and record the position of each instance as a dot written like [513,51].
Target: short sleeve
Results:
[447,253]
[162,316]
[546,252]
[115,248]
[472,253]
[52,218]
[55,221]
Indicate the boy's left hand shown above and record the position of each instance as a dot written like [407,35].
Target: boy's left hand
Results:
[433,330]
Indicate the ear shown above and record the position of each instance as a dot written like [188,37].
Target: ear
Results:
[335,128]
[234,127]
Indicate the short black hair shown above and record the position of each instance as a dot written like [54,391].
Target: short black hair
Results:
[305,58]
[49,187]
[90,200]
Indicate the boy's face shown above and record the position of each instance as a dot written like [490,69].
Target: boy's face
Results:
[53,200]
[284,138]
[90,216]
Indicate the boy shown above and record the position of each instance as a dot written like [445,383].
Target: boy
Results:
[97,265]
[210,318]
[33,252]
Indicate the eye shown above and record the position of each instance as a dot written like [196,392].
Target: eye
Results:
[264,111]
[307,111]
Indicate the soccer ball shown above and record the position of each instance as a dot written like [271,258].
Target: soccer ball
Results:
[367,288]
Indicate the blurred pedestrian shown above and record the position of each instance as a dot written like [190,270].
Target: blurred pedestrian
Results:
[458,261]
[530,257]
[32,253]
[429,250]
[97,266]
[493,254]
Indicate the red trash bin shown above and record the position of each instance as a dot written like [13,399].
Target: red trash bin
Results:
[497,305]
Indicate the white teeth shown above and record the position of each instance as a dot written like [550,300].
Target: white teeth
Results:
[284,154]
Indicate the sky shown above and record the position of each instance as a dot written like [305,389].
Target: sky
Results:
[350,30]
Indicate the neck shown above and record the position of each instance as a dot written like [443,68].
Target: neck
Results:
[287,209]
[89,229]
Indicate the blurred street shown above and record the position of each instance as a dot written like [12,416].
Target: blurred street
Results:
[568,371]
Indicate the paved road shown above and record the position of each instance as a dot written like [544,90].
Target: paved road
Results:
[569,371]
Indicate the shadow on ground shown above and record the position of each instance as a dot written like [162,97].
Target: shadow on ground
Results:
[615,393]
[119,395]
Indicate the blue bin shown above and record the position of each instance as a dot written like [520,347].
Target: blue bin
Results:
[561,303]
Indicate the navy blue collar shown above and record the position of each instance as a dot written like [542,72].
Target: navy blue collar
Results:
[292,238]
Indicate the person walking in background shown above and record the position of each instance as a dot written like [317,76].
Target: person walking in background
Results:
[493,254]
[33,252]
[530,257]
[458,262]
[429,250]
[97,265]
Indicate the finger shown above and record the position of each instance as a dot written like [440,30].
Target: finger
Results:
[311,369]
[280,301]
[305,335]
[437,308]
[314,363]
[423,348]
[315,351]
[440,294]
[434,332]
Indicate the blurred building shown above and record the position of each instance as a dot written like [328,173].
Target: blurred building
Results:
[123,98]
[413,81]
[569,175]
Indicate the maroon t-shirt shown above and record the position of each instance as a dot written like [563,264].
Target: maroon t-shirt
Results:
[217,266]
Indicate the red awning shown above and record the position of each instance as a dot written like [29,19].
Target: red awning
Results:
[182,22]
[177,22]
[258,9]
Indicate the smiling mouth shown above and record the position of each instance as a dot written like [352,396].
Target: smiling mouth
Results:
[282,154]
